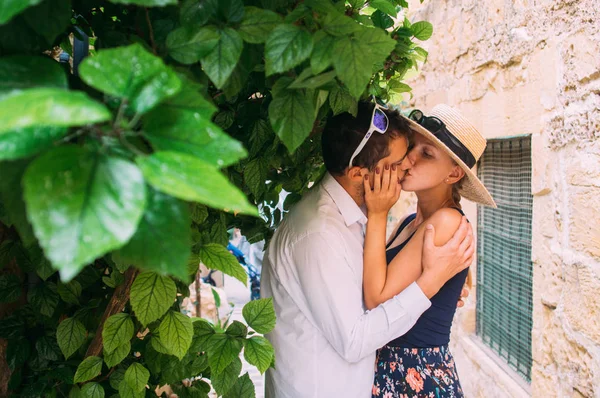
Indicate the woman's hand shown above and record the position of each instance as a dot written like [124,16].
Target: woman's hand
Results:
[386,190]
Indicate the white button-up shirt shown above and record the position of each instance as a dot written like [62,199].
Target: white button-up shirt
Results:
[324,340]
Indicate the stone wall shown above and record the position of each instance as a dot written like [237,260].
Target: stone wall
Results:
[532,67]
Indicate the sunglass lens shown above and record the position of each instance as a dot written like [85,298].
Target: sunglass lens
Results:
[380,120]
[416,115]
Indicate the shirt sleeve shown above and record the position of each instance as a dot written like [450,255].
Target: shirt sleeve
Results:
[334,300]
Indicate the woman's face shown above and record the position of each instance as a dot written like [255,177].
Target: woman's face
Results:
[427,166]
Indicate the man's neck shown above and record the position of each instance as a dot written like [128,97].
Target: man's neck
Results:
[355,192]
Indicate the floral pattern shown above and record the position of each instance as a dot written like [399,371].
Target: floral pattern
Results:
[416,373]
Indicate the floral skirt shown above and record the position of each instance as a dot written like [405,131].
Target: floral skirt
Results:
[416,372]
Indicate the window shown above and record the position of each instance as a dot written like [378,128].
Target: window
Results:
[504,267]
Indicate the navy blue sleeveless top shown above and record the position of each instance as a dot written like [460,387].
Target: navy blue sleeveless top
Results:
[433,327]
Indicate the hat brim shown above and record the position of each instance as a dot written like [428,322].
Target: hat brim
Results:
[472,188]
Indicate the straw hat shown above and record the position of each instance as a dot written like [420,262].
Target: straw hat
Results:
[467,135]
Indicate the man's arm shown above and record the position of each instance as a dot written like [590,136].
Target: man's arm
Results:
[333,297]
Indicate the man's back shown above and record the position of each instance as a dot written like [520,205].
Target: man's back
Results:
[324,342]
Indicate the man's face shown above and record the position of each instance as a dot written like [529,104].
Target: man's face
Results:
[398,151]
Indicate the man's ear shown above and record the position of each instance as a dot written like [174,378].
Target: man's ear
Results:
[356,174]
[455,175]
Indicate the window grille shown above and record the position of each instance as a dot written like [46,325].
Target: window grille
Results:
[504,266]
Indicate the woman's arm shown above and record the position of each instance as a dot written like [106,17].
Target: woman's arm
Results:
[379,200]
[382,282]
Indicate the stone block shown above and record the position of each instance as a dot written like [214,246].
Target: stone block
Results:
[584,233]
[580,53]
[582,302]
[583,166]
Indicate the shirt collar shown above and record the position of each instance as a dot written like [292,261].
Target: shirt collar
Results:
[351,212]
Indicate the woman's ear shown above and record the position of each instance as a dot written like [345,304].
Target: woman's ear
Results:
[455,175]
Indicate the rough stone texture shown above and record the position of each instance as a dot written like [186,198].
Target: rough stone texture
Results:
[532,67]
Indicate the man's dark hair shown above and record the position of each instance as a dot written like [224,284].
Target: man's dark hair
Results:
[343,133]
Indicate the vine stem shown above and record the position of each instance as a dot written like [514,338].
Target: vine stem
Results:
[115,305]
[151,31]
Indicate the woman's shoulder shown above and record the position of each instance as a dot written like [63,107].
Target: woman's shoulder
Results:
[445,221]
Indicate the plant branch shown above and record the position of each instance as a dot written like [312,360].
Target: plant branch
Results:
[151,31]
[115,305]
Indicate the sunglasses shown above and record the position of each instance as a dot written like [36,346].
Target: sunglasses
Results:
[379,123]
[440,131]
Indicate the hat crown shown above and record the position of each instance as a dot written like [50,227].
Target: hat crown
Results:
[461,128]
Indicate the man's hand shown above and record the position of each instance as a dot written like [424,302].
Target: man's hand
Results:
[443,262]
[463,296]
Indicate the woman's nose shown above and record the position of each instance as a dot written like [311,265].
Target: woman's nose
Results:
[407,162]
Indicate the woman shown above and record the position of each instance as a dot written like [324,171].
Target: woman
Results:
[438,168]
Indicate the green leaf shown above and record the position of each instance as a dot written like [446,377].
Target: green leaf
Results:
[82,205]
[422,30]
[259,352]
[384,5]
[203,331]
[21,72]
[292,114]
[41,263]
[189,178]
[382,20]
[49,19]
[189,44]
[286,47]
[151,296]
[258,24]
[10,288]
[194,12]
[260,315]
[10,8]
[147,3]
[352,64]
[223,382]
[255,175]
[176,333]
[379,43]
[69,292]
[237,329]
[222,350]
[49,107]
[11,195]
[118,330]
[126,391]
[199,364]
[89,368]
[340,25]
[44,297]
[177,130]
[70,336]
[218,232]
[131,73]
[231,11]
[137,376]
[114,358]
[221,61]
[198,212]
[217,257]
[47,348]
[243,388]
[117,377]
[92,390]
[340,100]
[115,278]
[161,242]
[17,353]
[313,81]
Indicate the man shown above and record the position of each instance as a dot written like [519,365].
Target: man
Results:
[324,341]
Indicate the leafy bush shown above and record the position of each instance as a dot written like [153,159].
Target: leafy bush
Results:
[120,174]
